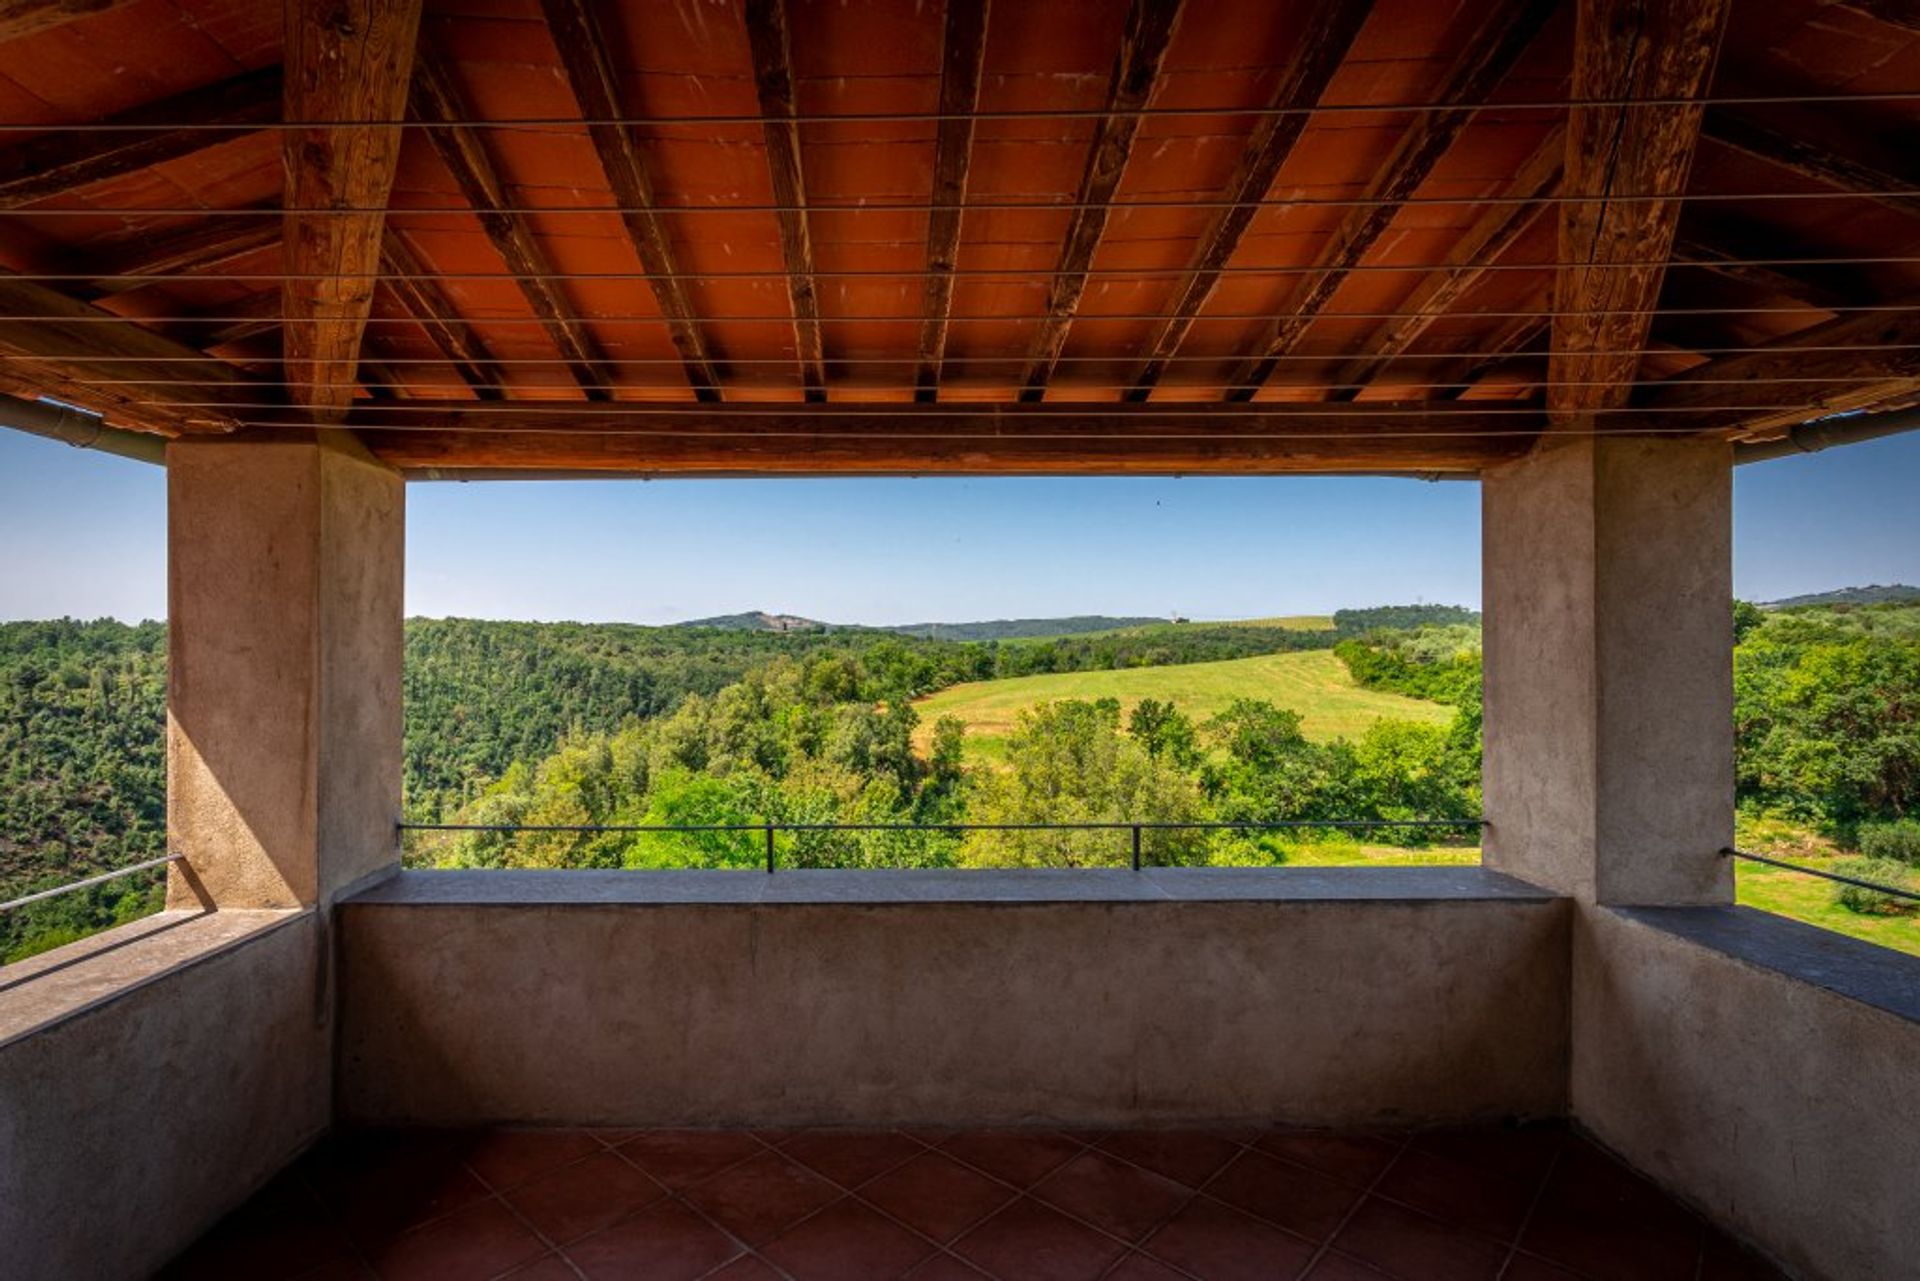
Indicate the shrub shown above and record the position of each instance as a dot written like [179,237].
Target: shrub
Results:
[1897,841]
[1872,902]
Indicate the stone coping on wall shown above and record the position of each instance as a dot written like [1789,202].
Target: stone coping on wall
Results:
[1848,967]
[921,886]
[82,976]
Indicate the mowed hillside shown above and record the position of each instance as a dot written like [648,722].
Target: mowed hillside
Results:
[1313,683]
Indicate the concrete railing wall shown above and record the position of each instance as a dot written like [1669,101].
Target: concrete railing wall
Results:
[864,1012]
[1764,1070]
[194,1069]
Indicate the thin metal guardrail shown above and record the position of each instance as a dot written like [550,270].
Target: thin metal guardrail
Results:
[771,828]
[1876,886]
[71,886]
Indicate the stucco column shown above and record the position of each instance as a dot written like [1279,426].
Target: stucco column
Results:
[1609,669]
[284,651]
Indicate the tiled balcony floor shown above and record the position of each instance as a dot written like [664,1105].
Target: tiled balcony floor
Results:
[1535,1204]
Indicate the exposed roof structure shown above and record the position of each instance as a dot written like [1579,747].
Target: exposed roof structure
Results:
[898,235]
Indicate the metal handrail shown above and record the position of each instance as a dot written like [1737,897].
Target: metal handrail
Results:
[71,886]
[771,828]
[1897,892]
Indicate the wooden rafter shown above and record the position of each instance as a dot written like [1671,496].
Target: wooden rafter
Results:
[1904,14]
[1043,438]
[347,62]
[583,52]
[60,161]
[253,316]
[25,17]
[420,296]
[1694,252]
[769,34]
[205,246]
[1810,160]
[963,55]
[1491,235]
[102,362]
[1883,364]
[434,100]
[1143,45]
[1330,32]
[1491,53]
[1604,302]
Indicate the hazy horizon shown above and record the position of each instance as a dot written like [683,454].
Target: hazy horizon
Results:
[85,537]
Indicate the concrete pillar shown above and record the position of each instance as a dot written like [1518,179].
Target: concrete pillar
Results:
[283,690]
[1609,669]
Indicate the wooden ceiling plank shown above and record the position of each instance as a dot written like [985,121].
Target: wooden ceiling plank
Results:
[26,17]
[1810,160]
[347,63]
[583,53]
[202,247]
[420,296]
[1467,263]
[1691,251]
[58,161]
[1604,303]
[771,39]
[1904,14]
[1323,46]
[1883,364]
[1143,46]
[1480,67]
[963,55]
[1034,438]
[434,100]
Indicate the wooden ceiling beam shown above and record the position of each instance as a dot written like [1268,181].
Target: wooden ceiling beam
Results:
[204,246]
[434,100]
[347,64]
[95,360]
[1884,364]
[1689,251]
[1331,28]
[962,56]
[418,292]
[771,39]
[1810,160]
[894,439]
[1604,307]
[583,53]
[1143,46]
[1904,14]
[1467,263]
[58,161]
[1481,66]
[25,17]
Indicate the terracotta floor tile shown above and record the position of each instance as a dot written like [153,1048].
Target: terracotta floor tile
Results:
[1355,1158]
[1723,1259]
[1338,1267]
[1020,1157]
[570,1202]
[680,1157]
[1525,1267]
[1141,1267]
[936,1195]
[1123,1200]
[507,1158]
[1034,1242]
[1462,1195]
[1301,1201]
[1185,1156]
[550,1267]
[342,1270]
[478,1242]
[761,1197]
[1219,1243]
[745,1268]
[945,1267]
[851,1158]
[1408,1244]
[664,1242]
[1522,1152]
[1597,1217]
[847,1241]
[284,1232]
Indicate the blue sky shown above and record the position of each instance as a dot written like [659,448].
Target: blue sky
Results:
[84,534]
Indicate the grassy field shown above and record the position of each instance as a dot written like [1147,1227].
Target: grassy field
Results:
[1313,683]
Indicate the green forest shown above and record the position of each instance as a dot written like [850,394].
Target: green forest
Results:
[574,724]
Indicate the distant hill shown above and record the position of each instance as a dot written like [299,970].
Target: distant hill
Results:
[1893,593]
[995,629]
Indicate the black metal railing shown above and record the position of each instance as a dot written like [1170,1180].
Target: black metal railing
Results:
[1895,890]
[772,828]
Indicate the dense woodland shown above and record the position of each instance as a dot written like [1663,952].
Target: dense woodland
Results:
[514,723]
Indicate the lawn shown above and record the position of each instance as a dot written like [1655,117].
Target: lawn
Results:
[1313,683]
